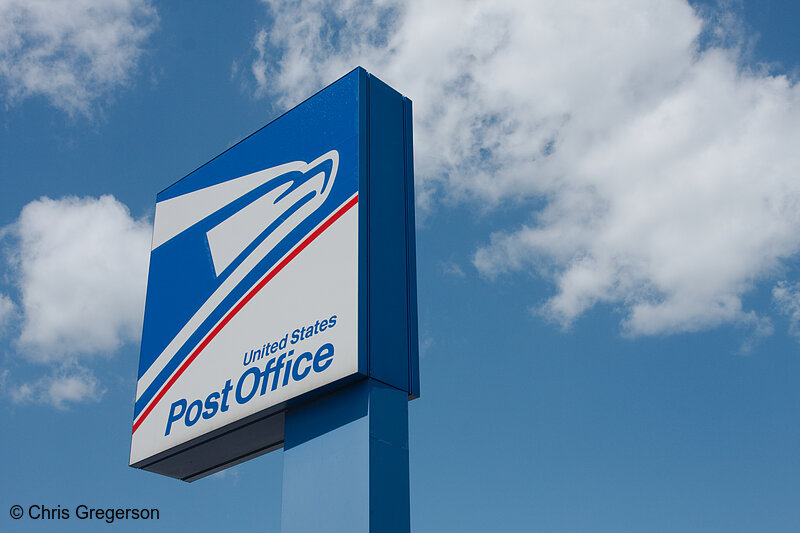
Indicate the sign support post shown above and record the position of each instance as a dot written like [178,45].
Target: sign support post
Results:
[346,462]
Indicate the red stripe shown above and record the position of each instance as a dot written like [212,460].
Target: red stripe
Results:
[238,307]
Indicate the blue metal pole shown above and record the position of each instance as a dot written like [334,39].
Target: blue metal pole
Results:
[346,462]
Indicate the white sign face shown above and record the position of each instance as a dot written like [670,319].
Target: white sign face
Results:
[252,296]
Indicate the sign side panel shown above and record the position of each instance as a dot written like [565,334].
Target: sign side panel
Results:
[411,244]
[388,292]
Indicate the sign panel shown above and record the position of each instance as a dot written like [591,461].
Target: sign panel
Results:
[263,280]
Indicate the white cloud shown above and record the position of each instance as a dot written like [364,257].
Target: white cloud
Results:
[80,265]
[452,269]
[73,385]
[230,474]
[669,169]
[70,51]
[7,309]
[786,296]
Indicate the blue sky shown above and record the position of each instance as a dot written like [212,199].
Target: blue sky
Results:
[608,242]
